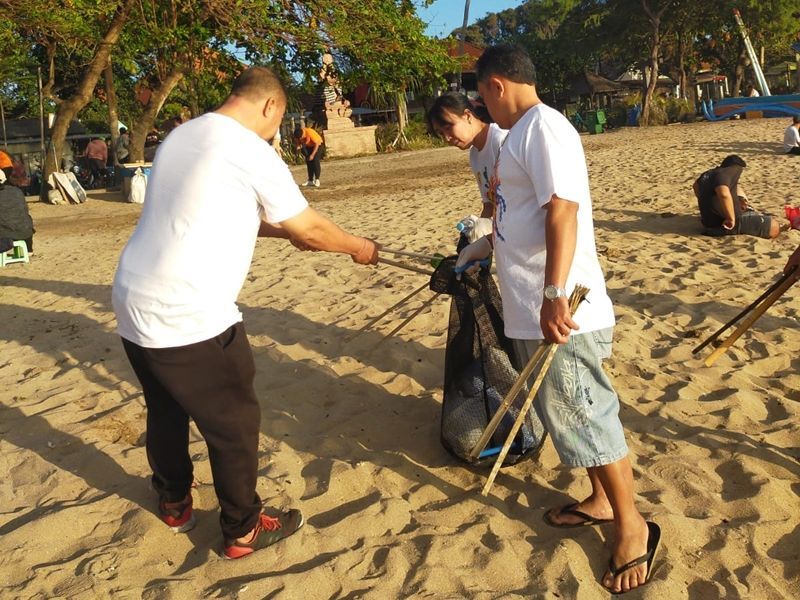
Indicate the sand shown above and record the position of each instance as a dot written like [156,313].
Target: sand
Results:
[350,420]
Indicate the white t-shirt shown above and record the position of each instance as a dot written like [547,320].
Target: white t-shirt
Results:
[543,156]
[791,138]
[482,161]
[212,183]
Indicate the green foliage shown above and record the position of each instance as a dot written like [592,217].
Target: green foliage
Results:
[416,133]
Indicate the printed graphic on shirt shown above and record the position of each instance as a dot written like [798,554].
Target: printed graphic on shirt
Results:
[498,202]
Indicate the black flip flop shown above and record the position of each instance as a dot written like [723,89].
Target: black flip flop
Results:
[653,537]
[569,509]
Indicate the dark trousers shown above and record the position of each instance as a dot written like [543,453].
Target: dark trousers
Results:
[210,382]
[97,168]
[313,166]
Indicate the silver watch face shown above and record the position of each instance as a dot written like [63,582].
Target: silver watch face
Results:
[551,292]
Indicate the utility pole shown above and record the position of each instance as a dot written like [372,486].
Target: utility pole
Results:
[463,39]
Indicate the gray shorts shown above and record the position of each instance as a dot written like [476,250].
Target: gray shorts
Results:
[577,403]
[749,223]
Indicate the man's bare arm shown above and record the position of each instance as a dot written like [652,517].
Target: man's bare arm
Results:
[725,206]
[561,237]
[273,231]
[315,231]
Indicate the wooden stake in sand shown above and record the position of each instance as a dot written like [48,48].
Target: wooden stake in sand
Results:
[544,355]
[755,303]
[759,310]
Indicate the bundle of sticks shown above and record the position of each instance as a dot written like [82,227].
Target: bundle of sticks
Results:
[750,314]
[541,359]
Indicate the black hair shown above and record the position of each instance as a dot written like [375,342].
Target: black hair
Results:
[456,103]
[796,118]
[298,131]
[733,159]
[508,61]
[256,82]
[122,130]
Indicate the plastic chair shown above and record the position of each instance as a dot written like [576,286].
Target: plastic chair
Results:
[17,254]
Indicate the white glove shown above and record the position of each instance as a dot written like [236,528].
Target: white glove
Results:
[471,257]
[483,227]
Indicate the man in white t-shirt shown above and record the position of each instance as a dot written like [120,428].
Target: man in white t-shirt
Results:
[791,137]
[544,245]
[216,185]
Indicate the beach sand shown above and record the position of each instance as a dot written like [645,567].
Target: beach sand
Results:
[350,420]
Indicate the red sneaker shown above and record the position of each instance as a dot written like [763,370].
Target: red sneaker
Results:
[268,531]
[178,516]
[793,214]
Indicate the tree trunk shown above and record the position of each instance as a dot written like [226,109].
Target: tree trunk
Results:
[652,80]
[683,80]
[655,46]
[402,119]
[739,72]
[111,101]
[190,88]
[148,118]
[69,108]
[797,72]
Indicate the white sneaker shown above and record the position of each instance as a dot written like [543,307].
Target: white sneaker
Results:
[308,183]
[316,183]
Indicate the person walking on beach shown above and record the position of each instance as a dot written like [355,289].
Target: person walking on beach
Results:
[791,137]
[310,143]
[174,296]
[544,245]
[724,208]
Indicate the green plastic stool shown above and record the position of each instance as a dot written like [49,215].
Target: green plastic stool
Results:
[17,254]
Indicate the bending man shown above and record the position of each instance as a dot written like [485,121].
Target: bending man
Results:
[175,299]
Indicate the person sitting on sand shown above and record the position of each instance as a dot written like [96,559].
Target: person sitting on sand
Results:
[724,209]
[791,137]
[15,220]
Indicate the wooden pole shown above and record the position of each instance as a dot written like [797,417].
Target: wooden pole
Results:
[374,320]
[549,354]
[507,401]
[759,310]
[3,119]
[400,265]
[549,350]
[755,303]
[425,257]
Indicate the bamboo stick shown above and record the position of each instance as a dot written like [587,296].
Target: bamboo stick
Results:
[755,303]
[374,320]
[577,296]
[409,318]
[752,318]
[425,257]
[400,265]
[507,401]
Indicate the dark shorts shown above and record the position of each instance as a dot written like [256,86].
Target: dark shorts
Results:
[749,223]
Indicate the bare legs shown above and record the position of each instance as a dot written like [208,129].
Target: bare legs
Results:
[612,497]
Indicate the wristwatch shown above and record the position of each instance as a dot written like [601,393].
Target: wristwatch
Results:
[553,292]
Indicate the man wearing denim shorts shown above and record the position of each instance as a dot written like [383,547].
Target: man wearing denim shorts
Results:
[544,245]
[724,209]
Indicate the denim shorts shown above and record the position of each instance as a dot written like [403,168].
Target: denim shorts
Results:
[576,401]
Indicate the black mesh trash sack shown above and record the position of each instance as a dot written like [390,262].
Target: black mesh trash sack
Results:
[479,370]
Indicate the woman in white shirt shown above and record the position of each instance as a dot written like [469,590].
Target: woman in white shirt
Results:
[459,122]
